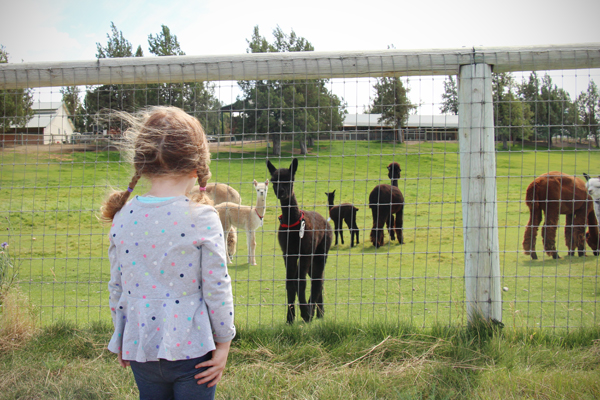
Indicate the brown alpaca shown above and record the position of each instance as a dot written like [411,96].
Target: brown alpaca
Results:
[553,194]
[343,212]
[384,202]
[222,193]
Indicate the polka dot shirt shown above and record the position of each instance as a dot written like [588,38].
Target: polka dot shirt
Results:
[170,292]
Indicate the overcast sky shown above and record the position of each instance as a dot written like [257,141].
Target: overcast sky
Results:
[61,30]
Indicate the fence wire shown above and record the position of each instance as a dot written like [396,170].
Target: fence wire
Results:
[61,154]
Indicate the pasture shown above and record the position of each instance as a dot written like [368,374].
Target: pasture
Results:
[51,199]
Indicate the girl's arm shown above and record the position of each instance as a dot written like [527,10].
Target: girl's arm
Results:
[216,282]
[115,288]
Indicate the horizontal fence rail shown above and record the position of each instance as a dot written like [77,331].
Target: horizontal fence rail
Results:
[296,65]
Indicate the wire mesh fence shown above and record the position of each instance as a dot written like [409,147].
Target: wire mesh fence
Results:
[346,118]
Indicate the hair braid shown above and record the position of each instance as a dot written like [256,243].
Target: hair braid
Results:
[203,176]
[117,200]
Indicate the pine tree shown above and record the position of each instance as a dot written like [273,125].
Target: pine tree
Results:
[449,97]
[392,102]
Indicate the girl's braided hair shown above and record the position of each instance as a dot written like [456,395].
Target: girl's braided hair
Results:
[162,141]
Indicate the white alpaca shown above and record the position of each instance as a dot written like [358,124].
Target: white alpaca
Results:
[246,217]
[593,188]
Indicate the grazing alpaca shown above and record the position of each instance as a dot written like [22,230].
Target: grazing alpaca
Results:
[305,238]
[343,212]
[222,193]
[384,202]
[246,217]
[553,194]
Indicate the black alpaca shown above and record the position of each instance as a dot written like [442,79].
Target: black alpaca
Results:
[305,238]
[384,202]
[343,212]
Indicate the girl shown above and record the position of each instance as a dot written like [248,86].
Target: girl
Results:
[170,293]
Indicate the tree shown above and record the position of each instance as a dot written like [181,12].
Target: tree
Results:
[449,97]
[304,108]
[195,98]
[117,45]
[589,111]
[549,107]
[15,104]
[72,101]
[164,44]
[511,115]
[111,97]
[392,102]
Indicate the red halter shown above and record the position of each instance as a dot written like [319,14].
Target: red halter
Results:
[292,225]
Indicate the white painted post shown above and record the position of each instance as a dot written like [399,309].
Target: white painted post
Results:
[478,184]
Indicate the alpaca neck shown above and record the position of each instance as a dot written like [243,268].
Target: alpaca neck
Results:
[261,206]
[330,204]
[395,182]
[289,210]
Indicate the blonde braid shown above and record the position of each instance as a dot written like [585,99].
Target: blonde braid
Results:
[202,197]
[116,200]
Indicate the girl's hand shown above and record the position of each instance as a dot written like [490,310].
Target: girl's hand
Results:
[122,363]
[216,364]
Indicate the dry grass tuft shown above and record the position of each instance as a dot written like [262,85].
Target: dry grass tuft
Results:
[17,320]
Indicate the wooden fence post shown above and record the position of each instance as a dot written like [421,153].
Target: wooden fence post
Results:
[478,184]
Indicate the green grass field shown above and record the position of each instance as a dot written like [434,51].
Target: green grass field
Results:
[51,200]
[325,360]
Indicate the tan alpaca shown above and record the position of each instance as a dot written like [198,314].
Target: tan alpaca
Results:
[222,193]
[246,217]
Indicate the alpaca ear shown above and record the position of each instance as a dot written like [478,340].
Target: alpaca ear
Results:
[271,167]
[333,191]
[587,177]
[255,183]
[267,182]
[294,167]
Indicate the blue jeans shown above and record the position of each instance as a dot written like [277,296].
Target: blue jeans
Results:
[171,380]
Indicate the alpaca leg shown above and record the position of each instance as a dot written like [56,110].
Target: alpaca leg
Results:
[399,225]
[354,229]
[390,225]
[348,221]
[231,242]
[549,229]
[292,281]
[251,242]
[530,236]
[336,232]
[339,227]
[306,309]
[316,286]
[569,238]
[578,238]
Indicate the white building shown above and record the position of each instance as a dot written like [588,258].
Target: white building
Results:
[51,121]
[417,127]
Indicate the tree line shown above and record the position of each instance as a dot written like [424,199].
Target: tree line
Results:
[535,109]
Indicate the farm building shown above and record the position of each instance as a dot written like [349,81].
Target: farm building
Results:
[50,124]
[418,127]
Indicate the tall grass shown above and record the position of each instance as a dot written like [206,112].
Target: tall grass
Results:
[326,360]
[53,199]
